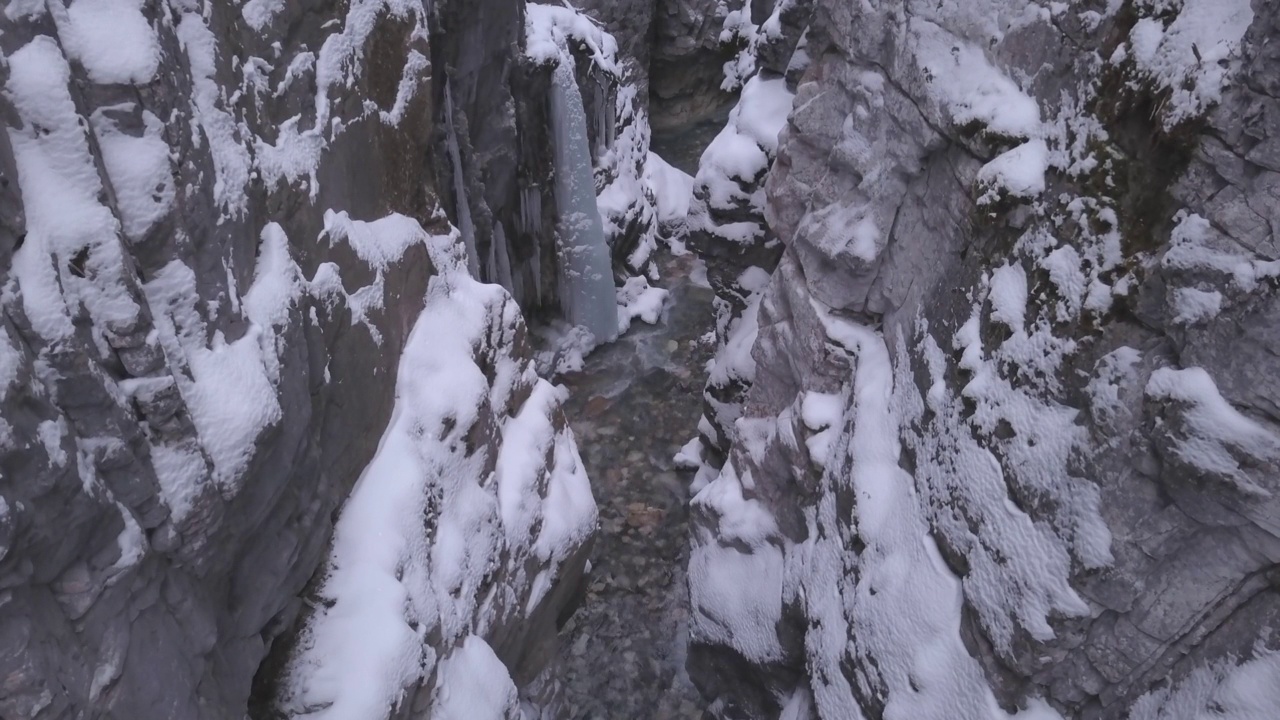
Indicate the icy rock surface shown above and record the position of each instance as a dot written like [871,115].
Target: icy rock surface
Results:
[218,225]
[1010,443]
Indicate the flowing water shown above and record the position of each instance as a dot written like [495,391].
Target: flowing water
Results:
[632,407]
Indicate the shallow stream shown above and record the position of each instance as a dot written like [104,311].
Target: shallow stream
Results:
[632,407]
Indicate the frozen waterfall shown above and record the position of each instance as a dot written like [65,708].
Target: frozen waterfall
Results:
[586,277]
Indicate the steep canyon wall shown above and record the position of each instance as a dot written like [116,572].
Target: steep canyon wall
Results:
[1006,440]
[220,225]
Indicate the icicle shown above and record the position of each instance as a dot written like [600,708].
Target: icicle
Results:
[530,210]
[537,269]
[535,210]
[503,259]
[610,119]
[604,133]
[465,225]
[586,287]
[491,260]
[517,291]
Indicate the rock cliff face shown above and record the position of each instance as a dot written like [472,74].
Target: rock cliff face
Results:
[726,222]
[691,44]
[1011,446]
[218,227]
[675,52]
[631,22]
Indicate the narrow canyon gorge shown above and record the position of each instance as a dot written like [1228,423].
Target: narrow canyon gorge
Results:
[653,359]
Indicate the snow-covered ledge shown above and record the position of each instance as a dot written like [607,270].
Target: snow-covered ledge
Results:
[466,534]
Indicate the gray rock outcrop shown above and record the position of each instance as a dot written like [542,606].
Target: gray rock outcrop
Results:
[147,561]
[631,23]
[676,51]
[690,46]
[1011,447]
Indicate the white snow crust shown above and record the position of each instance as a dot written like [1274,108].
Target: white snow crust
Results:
[672,189]
[139,168]
[1188,56]
[473,684]
[1224,690]
[60,190]
[1214,428]
[110,38]
[747,144]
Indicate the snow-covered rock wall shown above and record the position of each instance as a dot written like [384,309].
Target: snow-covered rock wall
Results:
[218,227]
[689,47]
[1012,447]
[464,539]
[726,219]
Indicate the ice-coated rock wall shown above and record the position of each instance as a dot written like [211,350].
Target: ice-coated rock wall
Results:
[500,59]
[1011,443]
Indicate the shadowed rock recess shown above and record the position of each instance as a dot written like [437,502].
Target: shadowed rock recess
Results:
[946,385]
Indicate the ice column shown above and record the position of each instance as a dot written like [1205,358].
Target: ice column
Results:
[586,275]
[499,259]
[465,225]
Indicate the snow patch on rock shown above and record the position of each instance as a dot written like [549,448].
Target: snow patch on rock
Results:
[72,257]
[1189,56]
[111,39]
[746,146]
[1215,437]
[1224,690]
